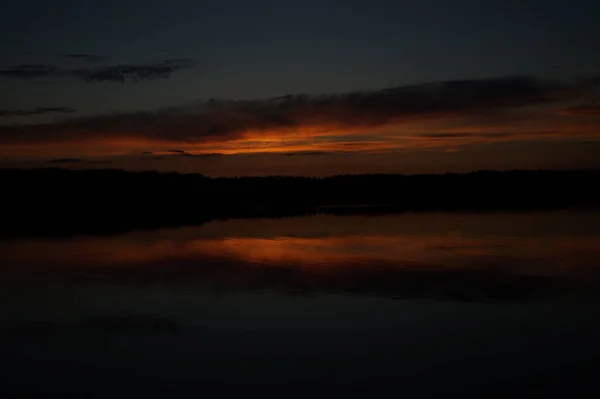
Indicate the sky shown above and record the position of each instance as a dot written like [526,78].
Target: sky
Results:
[240,87]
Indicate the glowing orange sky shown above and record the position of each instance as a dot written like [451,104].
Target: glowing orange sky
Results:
[456,117]
[435,133]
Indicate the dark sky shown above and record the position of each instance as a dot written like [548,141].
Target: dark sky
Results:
[67,59]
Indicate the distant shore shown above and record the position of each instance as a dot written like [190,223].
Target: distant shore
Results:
[57,202]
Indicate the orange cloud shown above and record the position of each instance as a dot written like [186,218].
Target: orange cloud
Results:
[592,109]
[446,114]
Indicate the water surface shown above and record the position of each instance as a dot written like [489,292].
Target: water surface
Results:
[417,304]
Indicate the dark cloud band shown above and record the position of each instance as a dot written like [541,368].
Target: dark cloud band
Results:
[82,57]
[36,111]
[222,120]
[114,73]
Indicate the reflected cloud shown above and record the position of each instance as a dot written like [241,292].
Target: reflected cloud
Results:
[449,265]
[548,255]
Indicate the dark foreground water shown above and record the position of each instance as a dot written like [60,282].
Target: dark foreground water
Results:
[411,305]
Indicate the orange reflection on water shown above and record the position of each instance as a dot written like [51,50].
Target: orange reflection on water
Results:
[545,255]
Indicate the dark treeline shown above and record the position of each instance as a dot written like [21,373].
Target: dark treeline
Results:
[52,201]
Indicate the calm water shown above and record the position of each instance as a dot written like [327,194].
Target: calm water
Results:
[413,304]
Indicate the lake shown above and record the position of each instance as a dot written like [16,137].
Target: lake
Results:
[413,305]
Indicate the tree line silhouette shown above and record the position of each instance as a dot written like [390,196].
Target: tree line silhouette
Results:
[54,201]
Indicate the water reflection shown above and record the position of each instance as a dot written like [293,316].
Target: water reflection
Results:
[464,256]
[479,304]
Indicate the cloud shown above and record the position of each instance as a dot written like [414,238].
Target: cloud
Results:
[112,73]
[36,111]
[66,160]
[181,153]
[360,120]
[209,155]
[166,154]
[30,71]
[122,73]
[82,57]
[592,109]
[77,161]
[172,153]
[309,153]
